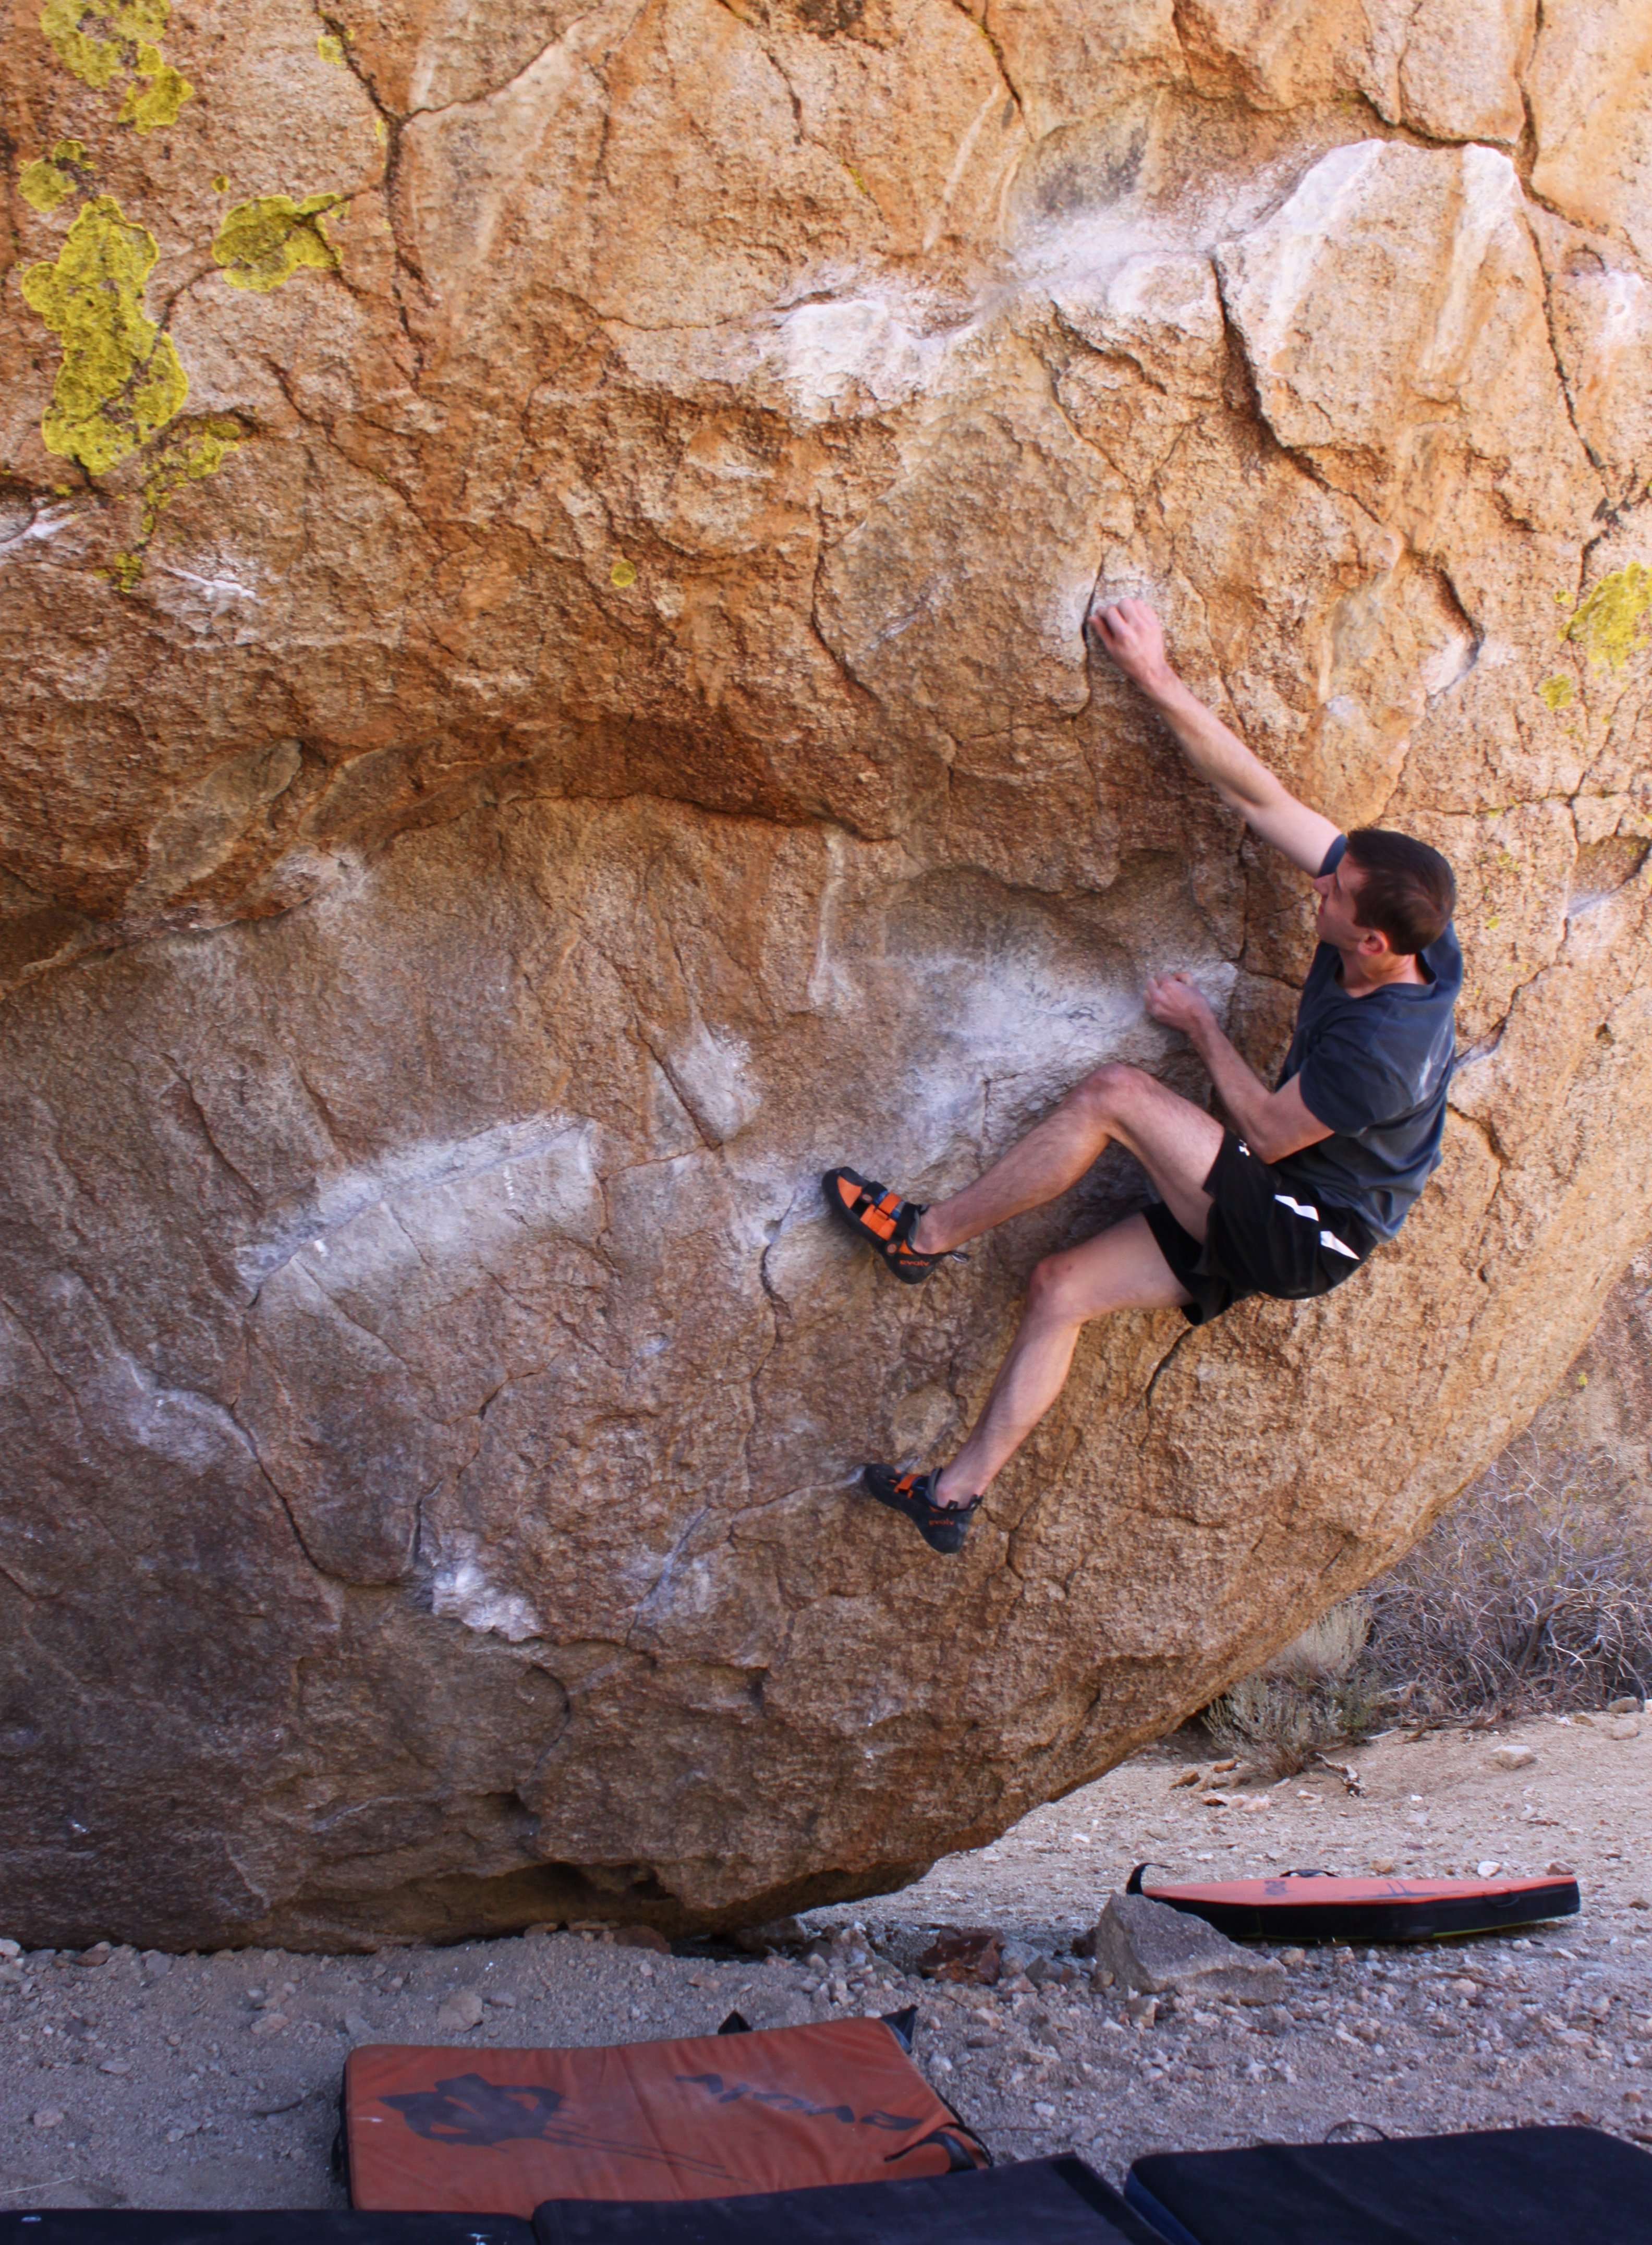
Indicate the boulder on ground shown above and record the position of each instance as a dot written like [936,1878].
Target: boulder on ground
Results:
[1152,1950]
[552,542]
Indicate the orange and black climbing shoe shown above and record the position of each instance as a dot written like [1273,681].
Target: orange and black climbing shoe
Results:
[942,1526]
[885,1221]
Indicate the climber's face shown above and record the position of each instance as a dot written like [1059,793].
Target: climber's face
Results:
[1337,921]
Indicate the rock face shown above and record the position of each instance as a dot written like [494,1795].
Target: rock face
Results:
[550,544]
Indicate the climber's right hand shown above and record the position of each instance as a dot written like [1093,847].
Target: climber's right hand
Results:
[1131,634]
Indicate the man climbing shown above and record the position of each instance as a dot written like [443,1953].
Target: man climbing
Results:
[1289,1202]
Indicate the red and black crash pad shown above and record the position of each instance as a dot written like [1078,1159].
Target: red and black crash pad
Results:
[1319,1906]
[719,2116]
[257,2226]
[1496,2186]
[1034,2202]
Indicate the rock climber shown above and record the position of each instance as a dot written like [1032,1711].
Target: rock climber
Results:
[1291,1199]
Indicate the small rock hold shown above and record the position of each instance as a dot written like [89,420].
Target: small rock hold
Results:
[1514,1757]
[460,2012]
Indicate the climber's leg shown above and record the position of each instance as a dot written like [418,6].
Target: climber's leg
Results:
[1174,1142]
[1121,1269]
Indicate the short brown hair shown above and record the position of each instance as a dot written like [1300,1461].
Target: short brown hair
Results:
[1408,892]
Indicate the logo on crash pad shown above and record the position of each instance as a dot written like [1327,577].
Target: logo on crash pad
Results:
[465,2109]
[473,2113]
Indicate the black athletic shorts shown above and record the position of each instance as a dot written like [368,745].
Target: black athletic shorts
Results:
[1263,1238]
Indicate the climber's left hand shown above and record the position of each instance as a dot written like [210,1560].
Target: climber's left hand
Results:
[1173,999]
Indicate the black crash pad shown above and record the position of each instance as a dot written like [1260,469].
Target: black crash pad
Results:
[1496,2186]
[125,2226]
[1036,2202]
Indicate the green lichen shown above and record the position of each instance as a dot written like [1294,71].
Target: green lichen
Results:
[165,92]
[262,243]
[330,48]
[121,380]
[1609,624]
[1560,692]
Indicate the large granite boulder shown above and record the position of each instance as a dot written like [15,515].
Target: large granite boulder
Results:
[544,551]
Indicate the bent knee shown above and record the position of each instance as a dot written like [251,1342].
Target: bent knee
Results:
[1107,1089]
[1053,1293]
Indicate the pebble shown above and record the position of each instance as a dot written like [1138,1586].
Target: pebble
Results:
[9,1949]
[358,2028]
[460,2012]
[98,1954]
[48,2117]
[269,2022]
[1514,1757]
[116,2066]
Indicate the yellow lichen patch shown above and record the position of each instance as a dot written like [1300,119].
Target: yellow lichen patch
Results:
[1560,692]
[121,380]
[264,243]
[220,184]
[381,130]
[1608,625]
[330,48]
[188,456]
[43,185]
[163,95]
[623,575]
[91,37]
[51,179]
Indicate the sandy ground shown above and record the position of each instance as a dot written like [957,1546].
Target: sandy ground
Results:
[211,2081]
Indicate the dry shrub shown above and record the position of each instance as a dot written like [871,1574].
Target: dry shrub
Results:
[1535,1591]
[1310,1696]
[1532,1592]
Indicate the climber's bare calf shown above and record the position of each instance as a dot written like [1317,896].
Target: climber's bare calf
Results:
[1174,1142]
[1122,1269]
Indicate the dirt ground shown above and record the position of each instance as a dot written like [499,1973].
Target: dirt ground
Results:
[211,2081]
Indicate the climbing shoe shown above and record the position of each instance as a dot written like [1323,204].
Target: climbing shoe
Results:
[942,1526]
[885,1221]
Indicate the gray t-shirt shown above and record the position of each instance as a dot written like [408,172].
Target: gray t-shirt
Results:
[1376,1070]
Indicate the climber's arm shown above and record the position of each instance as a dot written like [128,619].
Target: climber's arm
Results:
[1272,1123]
[1132,634]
